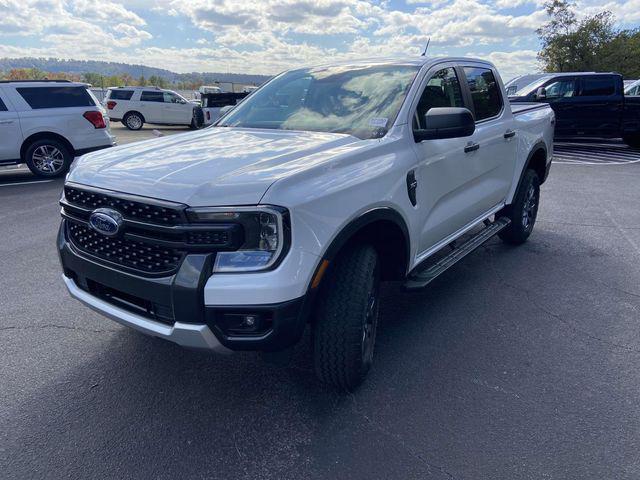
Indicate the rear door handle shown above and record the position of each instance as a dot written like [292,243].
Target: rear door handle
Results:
[5,122]
[471,147]
[509,134]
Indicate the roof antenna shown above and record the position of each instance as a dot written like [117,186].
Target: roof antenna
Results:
[425,48]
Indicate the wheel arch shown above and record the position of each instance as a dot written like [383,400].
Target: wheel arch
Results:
[537,161]
[382,227]
[43,136]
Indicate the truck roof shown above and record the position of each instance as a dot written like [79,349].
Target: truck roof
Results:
[408,60]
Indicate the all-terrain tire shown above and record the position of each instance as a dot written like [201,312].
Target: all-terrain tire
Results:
[344,328]
[523,211]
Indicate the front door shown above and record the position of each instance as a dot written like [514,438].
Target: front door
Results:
[175,110]
[561,94]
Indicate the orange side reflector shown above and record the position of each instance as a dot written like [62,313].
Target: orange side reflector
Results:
[319,274]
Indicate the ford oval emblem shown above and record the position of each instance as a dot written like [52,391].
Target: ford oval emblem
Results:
[106,221]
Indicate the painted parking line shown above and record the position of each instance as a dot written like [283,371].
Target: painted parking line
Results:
[24,183]
[594,153]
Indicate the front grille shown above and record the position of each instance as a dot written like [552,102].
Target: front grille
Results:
[130,209]
[143,256]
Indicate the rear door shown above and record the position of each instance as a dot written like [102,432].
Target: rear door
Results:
[151,104]
[10,134]
[493,162]
[561,95]
[600,104]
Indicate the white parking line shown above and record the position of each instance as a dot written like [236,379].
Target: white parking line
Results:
[24,183]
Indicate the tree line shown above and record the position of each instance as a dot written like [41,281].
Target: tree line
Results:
[97,80]
[591,43]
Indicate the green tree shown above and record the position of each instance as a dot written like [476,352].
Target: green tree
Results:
[590,44]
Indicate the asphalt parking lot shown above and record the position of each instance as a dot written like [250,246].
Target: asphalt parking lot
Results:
[518,363]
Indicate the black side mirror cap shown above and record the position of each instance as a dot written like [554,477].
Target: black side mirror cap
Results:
[446,122]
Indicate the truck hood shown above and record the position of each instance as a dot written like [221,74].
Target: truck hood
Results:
[215,166]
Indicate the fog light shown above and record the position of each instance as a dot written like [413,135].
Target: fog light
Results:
[244,323]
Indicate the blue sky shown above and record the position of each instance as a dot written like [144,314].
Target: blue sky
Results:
[269,36]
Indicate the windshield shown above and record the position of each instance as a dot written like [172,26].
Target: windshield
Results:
[360,101]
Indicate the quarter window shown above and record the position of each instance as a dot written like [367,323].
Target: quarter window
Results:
[442,90]
[594,87]
[120,94]
[485,92]
[152,97]
[3,107]
[56,97]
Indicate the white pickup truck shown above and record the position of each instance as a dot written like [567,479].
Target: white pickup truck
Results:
[293,208]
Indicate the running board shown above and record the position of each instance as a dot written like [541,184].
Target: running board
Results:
[422,278]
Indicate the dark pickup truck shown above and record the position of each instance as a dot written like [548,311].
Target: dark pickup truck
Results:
[587,105]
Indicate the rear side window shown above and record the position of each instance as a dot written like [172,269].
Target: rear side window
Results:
[56,97]
[3,107]
[152,97]
[120,94]
[485,92]
[594,87]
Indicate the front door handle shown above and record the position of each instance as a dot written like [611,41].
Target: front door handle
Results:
[5,122]
[509,134]
[471,147]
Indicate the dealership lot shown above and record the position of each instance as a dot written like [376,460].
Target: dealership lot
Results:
[518,363]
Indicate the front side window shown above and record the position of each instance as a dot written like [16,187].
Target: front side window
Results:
[357,100]
[152,97]
[485,92]
[442,90]
[563,88]
[56,97]
[594,86]
[171,97]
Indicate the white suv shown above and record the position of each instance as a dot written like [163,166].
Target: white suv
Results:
[136,105]
[45,124]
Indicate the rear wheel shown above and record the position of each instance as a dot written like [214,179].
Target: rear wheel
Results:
[344,330]
[523,211]
[133,121]
[48,158]
[632,140]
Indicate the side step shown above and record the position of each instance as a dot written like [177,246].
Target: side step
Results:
[422,278]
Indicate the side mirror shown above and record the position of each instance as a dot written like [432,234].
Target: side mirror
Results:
[541,93]
[446,122]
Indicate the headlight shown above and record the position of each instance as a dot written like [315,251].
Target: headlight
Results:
[266,235]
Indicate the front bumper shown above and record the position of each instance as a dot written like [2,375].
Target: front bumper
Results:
[173,307]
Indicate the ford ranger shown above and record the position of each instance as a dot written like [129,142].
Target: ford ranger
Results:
[292,209]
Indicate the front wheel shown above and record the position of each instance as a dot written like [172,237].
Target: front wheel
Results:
[523,211]
[344,329]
